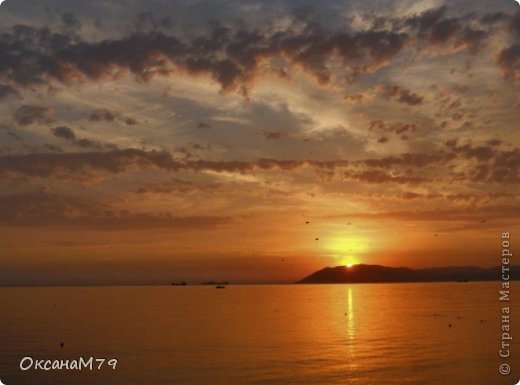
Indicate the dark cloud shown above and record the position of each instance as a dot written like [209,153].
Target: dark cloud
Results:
[7,91]
[116,161]
[362,52]
[165,22]
[203,125]
[415,160]
[439,30]
[102,115]
[70,22]
[472,40]
[401,95]
[146,21]
[273,135]
[230,56]
[354,98]
[493,165]
[15,136]
[514,24]
[33,209]
[64,133]
[493,18]
[480,153]
[426,22]
[381,177]
[52,148]
[397,128]
[494,142]
[450,107]
[26,53]
[93,144]
[411,195]
[509,61]
[71,165]
[110,116]
[177,186]
[130,121]
[483,164]
[503,169]
[481,198]
[502,212]
[69,135]
[28,114]
[448,104]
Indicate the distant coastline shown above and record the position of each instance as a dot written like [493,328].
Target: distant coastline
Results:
[361,273]
[382,274]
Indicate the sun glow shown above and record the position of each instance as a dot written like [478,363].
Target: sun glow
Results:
[349,250]
[348,245]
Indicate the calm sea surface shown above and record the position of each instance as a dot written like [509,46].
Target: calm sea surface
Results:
[288,334]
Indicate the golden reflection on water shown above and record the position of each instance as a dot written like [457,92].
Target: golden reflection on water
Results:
[351,330]
[350,316]
[305,334]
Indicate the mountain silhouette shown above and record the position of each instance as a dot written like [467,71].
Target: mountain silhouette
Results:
[383,274]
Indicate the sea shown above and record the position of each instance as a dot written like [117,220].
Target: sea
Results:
[363,334]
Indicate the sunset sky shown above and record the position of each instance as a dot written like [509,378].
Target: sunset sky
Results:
[158,141]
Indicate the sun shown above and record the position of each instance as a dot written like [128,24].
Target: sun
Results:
[348,250]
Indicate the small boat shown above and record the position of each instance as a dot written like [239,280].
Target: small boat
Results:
[220,287]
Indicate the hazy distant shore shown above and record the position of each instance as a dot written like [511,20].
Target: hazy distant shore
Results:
[383,274]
